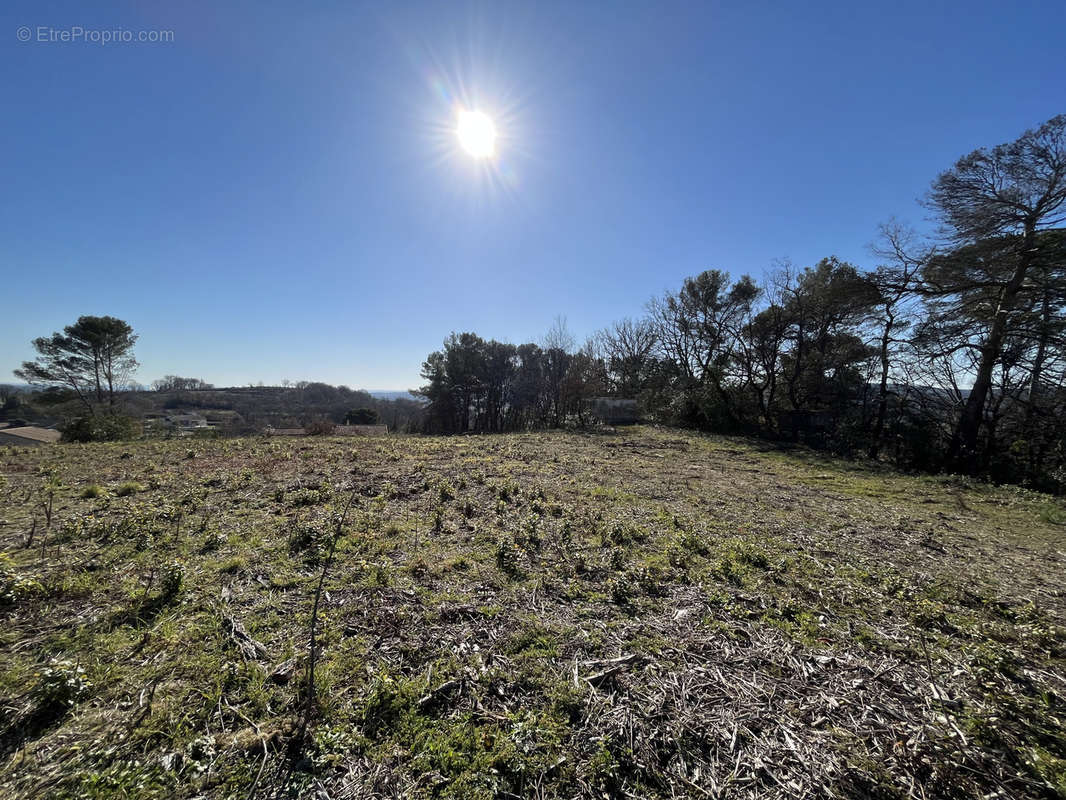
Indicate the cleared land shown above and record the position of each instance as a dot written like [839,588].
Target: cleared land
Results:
[641,614]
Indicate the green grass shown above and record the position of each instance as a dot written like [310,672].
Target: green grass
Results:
[128,488]
[637,614]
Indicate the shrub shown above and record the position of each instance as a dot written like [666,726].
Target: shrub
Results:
[128,488]
[101,428]
[319,427]
[93,491]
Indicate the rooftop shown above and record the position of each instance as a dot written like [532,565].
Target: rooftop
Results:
[33,433]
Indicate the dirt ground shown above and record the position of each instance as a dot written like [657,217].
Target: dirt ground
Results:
[633,613]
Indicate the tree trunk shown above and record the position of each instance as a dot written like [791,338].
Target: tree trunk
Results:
[963,450]
[1034,449]
[797,368]
[882,396]
[96,377]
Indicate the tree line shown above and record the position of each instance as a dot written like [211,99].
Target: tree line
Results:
[948,354]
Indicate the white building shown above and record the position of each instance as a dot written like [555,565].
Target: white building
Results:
[183,424]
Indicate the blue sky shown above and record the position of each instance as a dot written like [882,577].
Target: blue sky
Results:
[277,192]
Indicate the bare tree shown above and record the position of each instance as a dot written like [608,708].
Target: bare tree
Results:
[896,281]
[559,336]
[627,348]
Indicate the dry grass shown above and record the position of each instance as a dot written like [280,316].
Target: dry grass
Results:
[640,614]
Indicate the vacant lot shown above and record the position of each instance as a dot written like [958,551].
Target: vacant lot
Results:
[640,614]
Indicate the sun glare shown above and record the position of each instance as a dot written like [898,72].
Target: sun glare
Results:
[477,134]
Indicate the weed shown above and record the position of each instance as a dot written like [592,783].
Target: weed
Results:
[16,586]
[142,539]
[212,542]
[61,685]
[508,556]
[307,539]
[306,497]
[1052,514]
[233,565]
[445,664]
[171,581]
[624,533]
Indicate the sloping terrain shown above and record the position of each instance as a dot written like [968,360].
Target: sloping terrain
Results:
[647,613]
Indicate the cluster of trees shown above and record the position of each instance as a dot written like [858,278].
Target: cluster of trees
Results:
[175,383]
[362,416]
[489,386]
[947,355]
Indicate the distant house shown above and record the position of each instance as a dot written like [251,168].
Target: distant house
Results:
[28,436]
[615,410]
[183,424]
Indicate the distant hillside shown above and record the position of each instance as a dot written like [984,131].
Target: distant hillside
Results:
[247,409]
[394,394]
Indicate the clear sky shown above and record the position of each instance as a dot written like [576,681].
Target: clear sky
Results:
[278,192]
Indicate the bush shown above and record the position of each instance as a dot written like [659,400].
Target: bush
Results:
[319,427]
[101,428]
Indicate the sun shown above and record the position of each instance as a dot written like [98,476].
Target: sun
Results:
[477,134]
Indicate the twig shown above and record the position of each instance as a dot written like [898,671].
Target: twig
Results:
[314,620]
[259,774]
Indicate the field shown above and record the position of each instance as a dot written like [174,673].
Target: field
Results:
[646,613]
